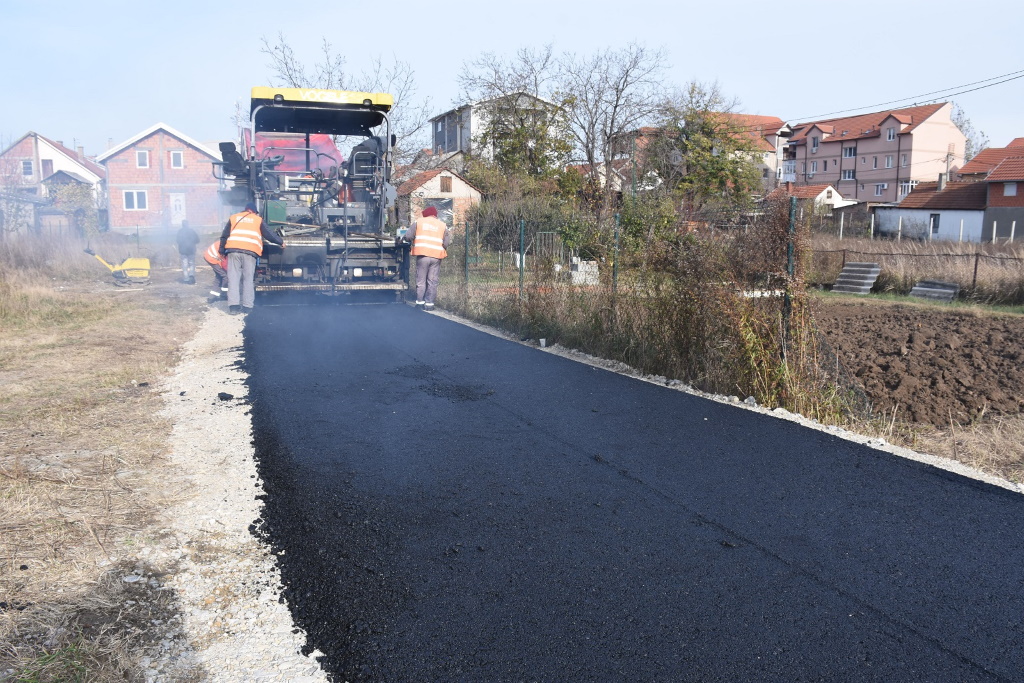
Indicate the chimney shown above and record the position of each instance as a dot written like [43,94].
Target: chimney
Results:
[81,152]
[60,143]
[942,182]
[110,142]
[789,187]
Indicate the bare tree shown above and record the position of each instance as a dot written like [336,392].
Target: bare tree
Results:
[526,131]
[608,95]
[532,70]
[410,113]
[976,140]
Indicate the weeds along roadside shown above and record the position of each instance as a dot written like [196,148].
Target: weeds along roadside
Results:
[79,360]
[704,304]
[720,309]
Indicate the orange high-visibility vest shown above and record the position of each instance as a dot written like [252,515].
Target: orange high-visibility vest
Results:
[429,239]
[245,233]
[213,256]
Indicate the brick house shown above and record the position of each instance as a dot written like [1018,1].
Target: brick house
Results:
[160,177]
[878,157]
[1004,210]
[447,191]
[32,164]
[987,159]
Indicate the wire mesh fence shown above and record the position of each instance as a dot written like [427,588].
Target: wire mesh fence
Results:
[716,303]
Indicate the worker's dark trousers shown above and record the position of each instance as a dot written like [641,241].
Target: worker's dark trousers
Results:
[428,272]
[241,279]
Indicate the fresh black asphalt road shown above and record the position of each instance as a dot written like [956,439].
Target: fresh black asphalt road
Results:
[448,505]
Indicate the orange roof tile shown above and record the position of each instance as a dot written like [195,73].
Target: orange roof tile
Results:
[987,159]
[1016,142]
[1009,169]
[957,195]
[867,125]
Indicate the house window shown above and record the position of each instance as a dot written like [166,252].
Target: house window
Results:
[135,200]
[849,174]
[849,152]
[440,126]
[874,162]
[814,167]
[888,161]
[814,144]
[764,172]
[890,134]
[907,186]
[26,169]
[903,160]
[446,183]
[177,159]
[828,194]
[1009,189]
[880,189]
[935,223]
[141,159]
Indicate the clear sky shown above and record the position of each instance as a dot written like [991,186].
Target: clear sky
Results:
[87,73]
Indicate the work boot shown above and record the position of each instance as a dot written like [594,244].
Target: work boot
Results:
[428,307]
[234,310]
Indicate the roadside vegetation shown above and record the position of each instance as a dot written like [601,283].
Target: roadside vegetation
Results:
[674,268]
[82,446]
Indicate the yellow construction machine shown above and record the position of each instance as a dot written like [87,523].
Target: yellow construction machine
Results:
[132,271]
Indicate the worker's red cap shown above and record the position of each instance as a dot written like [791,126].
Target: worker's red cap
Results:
[430,211]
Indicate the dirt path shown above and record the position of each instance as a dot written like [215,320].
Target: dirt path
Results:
[931,363]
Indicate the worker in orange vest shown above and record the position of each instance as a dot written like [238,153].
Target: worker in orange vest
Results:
[429,237]
[242,242]
[219,263]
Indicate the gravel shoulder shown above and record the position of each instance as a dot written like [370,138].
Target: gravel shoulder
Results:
[226,583]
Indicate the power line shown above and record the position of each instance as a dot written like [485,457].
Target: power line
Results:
[1013,74]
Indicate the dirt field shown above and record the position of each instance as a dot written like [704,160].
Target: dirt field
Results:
[932,363]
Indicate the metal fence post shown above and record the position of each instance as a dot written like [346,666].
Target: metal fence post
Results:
[465,226]
[522,256]
[787,299]
[974,282]
[615,259]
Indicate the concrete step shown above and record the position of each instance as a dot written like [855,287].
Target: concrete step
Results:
[935,290]
[857,277]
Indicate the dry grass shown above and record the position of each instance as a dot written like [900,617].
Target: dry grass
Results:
[1000,268]
[79,360]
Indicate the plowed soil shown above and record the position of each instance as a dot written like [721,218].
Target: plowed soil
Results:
[931,363]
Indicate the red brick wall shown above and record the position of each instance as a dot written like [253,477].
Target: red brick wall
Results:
[195,180]
[10,164]
[997,198]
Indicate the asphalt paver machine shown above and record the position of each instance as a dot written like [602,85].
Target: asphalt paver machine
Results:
[330,209]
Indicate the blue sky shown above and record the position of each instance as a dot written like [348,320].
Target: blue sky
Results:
[89,72]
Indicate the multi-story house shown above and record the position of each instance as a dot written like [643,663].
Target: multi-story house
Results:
[30,167]
[459,130]
[33,159]
[159,178]
[878,157]
[769,135]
